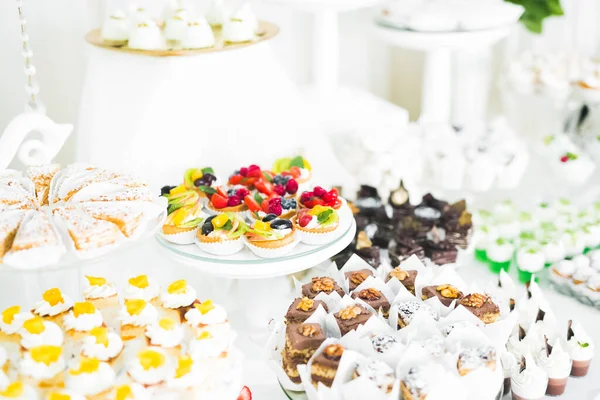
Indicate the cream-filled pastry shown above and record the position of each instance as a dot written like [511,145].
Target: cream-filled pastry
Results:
[150,366]
[43,366]
[199,35]
[103,295]
[11,321]
[91,377]
[18,390]
[81,320]
[135,316]
[177,298]
[142,287]
[116,28]
[238,29]
[64,394]
[104,345]
[185,375]
[145,35]
[166,333]
[53,306]
[37,332]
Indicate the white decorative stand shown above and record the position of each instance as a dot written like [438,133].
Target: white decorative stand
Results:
[439,48]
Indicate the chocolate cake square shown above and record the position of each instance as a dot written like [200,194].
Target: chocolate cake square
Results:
[322,284]
[355,278]
[404,247]
[375,299]
[407,278]
[445,293]
[372,255]
[325,365]
[482,306]
[440,252]
[349,318]
[301,342]
[301,309]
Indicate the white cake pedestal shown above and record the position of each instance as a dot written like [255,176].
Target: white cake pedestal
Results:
[439,48]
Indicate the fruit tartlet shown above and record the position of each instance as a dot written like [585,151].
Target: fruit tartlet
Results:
[297,168]
[320,197]
[222,234]
[181,224]
[228,201]
[259,207]
[271,237]
[247,176]
[317,225]
[200,180]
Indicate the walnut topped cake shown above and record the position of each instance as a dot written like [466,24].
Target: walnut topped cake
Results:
[321,285]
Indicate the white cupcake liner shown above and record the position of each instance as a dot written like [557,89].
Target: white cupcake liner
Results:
[317,238]
[187,237]
[223,248]
[272,253]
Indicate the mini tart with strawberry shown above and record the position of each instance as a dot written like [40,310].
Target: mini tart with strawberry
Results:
[224,201]
[296,167]
[320,197]
[271,237]
[318,225]
[182,224]
[246,176]
[222,234]
[259,207]
[200,180]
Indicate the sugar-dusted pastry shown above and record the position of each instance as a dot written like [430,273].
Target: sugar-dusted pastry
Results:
[176,26]
[36,244]
[482,306]
[476,357]
[87,232]
[81,320]
[150,367]
[375,299]
[126,217]
[301,309]
[54,306]
[104,345]
[126,194]
[135,316]
[222,234]
[145,35]
[176,299]
[103,295]
[91,377]
[142,287]
[37,332]
[41,176]
[413,384]
[321,284]
[115,30]
[167,334]
[10,221]
[43,367]
[301,342]
[350,317]
[325,364]
[407,310]
[199,35]
[381,374]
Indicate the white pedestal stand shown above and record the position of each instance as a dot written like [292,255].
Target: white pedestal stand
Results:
[439,48]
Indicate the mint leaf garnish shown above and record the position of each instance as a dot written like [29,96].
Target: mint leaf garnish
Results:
[297,162]
[258,198]
[500,241]
[267,176]
[207,189]
[324,216]
[536,11]
[548,139]
[207,170]
[228,226]
[583,345]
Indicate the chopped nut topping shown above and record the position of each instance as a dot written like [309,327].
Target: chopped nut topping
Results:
[307,330]
[358,277]
[399,273]
[363,241]
[369,294]
[448,291]
[333,351]
[323,285]
[349,312]
[476,300]
[305,304]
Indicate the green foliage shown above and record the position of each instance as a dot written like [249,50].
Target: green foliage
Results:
[536,11]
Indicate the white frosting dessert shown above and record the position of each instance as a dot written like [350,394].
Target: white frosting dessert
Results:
[37,332]
[185,375]
[132,390]
[116,28]
[43,362]
[500,251]
[141,287]
[529,381]
[102,344]
[217,13]
[580,345]
[178,294]
[554,251]
[18,390]
[12,319]
[137,312]
[91,377]
[53,303]
[239,29]
[145,35]
[165,333]
[210,343]
[176,26]
[98,288]
[206,313]
[150,367]
[199,35]
[83,318]
[557,363]
[530,259]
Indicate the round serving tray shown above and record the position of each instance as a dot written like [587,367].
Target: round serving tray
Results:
[266,31]
[246,265]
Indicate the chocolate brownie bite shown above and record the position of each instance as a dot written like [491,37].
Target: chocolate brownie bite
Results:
[325,365]
[301,342]
[407,310]
[445,293]
[301,309]
[472,359]
[322,284]
[402,248]
[349,318]
[355,278]
[440,252]
[375,299]
[482,306]
[371,255]
[381,374]
[413,384]
[406,278]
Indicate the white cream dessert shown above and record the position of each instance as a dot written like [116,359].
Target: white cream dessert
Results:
[37,332]
[209,343]
[64,394]
[176,26]
[43,364]
[206,313]
[91,377]
[530,259]
[217,13]
[185,375]
[96,288]
[82,318]
[11,322]
[562,270]
[138,14]
[500,252]
[132,390]
[178,295]
[199,35]
[554,251]
[116,28]
[150,367]
[581,348]
[102,344]
[557,364]
[17,390]
[142,287]
[165,333]
[239,28]
[135,316]
[145,35]
[528,382]
[53,306]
